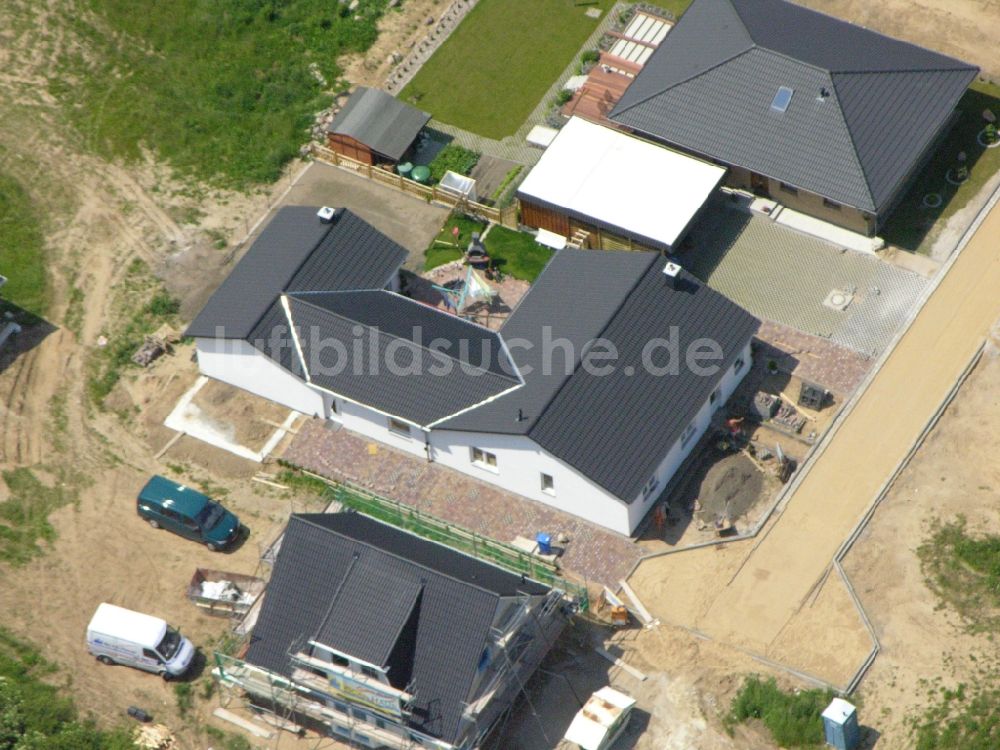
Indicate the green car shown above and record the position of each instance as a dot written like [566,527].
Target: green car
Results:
[172,506]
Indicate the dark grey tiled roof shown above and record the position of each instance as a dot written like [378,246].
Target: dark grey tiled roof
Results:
[296,252]
[573,299]
[709,86]
[380,121]
[442,364]
[458,600]
[616,428]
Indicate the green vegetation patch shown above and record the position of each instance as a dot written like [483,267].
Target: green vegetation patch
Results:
[22,251]
[966,717]
[516,253]
[448,246]
[964,571]
[500,61]
[794,719]
[34,715]
[914,224]
[453,158]
[225,90]
[143,306]
[24,516]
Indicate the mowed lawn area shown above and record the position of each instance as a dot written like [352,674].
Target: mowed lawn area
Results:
[498,64]
[22,251]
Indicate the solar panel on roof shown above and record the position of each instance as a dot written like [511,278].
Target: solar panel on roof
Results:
[782,99]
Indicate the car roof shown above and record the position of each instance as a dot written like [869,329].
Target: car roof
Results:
[173,495]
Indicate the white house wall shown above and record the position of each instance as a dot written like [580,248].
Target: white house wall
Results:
[236,362]
[520,463]
[372,424]
[676,455]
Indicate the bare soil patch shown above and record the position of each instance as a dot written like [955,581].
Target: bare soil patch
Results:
[954,472]
[252,419]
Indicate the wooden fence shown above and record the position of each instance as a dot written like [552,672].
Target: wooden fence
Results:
[505,216]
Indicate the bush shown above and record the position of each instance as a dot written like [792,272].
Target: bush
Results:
[453,158]
[563,96]
[990,133]
[794,719]
[590,56]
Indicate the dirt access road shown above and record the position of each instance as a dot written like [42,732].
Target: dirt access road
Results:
[770,578]
[966,29]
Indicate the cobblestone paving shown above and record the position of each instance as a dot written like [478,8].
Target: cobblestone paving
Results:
[812,358]
[783,275]
[514,147]
[592,554]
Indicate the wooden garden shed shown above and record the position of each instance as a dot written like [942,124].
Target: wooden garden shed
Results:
[375,127]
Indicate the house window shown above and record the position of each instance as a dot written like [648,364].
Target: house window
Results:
[716,395]
[484,458]
[831,204]
[785,188]
[371,672]
[358,714]
[738,365]
[651,485]
[548,484]
[334,409]
[687,435]
[342,707]
[399,427]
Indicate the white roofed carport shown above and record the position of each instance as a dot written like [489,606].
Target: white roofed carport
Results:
[621,182]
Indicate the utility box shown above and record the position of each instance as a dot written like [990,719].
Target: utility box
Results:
[840,725]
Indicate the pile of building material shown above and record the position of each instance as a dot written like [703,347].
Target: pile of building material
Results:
[152,349]
[788,417]
[226,591]
[155,737]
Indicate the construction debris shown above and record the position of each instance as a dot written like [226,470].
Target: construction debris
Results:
[789,418]
[155,737]
[152,349]
[620,663]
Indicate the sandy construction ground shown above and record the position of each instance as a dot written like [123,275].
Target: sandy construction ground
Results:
[966,29]
[749,593]
[954,472]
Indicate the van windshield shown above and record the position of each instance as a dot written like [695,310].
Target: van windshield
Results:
[210,515]
[169,645]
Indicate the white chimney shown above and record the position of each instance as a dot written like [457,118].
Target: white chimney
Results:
[326,214]
[671,273]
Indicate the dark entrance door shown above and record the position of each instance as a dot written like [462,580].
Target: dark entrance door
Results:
[759,184]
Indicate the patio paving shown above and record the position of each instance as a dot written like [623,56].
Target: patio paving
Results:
[593,554]
[812,358]
[782,275]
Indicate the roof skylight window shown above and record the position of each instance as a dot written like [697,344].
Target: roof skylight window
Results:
[782,99]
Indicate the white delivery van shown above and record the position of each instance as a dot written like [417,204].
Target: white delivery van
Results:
[120,636]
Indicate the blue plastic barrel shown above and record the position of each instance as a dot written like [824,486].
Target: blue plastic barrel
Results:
[544,542]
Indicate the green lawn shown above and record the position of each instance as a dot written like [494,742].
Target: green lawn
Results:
[222,89]
[446,247]
[22,255]
[515,253]
[497,65]
[912,225]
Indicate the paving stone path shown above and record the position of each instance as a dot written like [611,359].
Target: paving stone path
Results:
[593,554]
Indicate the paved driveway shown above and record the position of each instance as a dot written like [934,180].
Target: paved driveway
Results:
[410,221]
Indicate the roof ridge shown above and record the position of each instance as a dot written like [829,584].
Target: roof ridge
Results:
[907,71]
[517,380]
[693,76]
[416,564]
[854,146]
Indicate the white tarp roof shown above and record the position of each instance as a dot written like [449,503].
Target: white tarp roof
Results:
[621,181]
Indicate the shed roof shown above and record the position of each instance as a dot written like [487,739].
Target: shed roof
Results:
[621,183]
[864,109]
[380,121]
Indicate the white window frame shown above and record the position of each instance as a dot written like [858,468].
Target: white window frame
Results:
[650,486]
[484,459]
[716,398]
[688,433]
[548,487]
[399,427]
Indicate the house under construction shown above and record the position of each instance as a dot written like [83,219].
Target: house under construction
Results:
[373,635]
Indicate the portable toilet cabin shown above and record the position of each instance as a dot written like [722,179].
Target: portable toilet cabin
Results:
[840,725]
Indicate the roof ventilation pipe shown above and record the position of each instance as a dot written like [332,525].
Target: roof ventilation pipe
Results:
[672,274]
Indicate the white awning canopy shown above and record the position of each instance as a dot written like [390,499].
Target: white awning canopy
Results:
[620,182]
[550,239]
